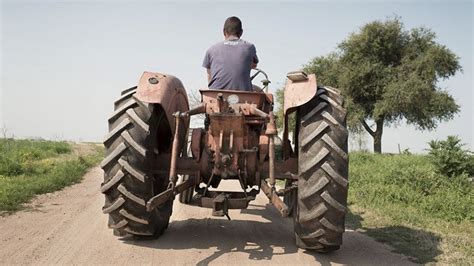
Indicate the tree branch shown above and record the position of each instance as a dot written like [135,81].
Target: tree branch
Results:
[364,124]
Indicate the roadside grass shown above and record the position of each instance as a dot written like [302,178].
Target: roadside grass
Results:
[401,200]
[20,156]
[29,167]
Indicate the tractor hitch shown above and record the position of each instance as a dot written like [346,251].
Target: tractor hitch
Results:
[221,207]
[222,201]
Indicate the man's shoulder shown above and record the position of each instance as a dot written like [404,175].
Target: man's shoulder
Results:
[215,46]
[246,42]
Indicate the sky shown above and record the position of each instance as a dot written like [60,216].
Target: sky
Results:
[63,63]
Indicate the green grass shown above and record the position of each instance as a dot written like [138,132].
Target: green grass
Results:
[401,200]
[28,168]
[18,156]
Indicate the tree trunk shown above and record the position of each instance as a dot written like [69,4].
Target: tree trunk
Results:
[377,134]
[378,144]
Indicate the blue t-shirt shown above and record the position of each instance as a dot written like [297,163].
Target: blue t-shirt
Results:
[230,64]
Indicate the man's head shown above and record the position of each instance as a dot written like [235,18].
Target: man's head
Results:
[233,27]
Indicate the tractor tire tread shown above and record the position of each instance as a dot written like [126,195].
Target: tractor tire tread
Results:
[128,183]
[323,169]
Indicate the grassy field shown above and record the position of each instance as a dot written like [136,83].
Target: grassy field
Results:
[29,167]
[402,200]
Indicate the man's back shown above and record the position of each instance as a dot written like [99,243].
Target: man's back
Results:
[230,64]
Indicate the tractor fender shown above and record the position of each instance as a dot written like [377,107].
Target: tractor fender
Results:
[165,90]
[297,93]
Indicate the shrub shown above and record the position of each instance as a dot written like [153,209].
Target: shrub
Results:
[449,157]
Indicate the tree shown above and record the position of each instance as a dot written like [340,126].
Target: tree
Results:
[279,111]
[388,74]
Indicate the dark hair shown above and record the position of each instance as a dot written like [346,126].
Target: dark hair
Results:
[233,26]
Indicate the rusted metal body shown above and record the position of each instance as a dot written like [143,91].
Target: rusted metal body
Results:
[238,141]
[284,169]
[299,92]
[165,90]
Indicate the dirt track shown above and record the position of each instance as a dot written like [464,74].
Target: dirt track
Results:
[68,227]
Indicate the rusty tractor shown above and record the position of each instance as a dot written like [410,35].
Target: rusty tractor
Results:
[152,156]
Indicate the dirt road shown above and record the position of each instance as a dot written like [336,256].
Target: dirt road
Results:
[68,227]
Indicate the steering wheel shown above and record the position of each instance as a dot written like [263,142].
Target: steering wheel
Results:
[265,82]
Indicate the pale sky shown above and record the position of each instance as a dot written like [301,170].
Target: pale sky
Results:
[65,62]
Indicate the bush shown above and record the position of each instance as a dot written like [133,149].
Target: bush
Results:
[449,157]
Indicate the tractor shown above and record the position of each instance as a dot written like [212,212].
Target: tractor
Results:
[152,156]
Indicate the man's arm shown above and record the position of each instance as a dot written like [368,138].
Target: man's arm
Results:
[207,65]
[254,57]
[208,75]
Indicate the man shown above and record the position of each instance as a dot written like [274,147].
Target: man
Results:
[228,63]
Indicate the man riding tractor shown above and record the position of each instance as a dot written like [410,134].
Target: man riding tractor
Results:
[147,148]
[229,62]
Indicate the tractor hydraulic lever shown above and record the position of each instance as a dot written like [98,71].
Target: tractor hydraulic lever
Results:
[174,152]
[270,191]
[271,132]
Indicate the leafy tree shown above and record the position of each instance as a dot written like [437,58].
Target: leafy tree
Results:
[388,74]
[279,113]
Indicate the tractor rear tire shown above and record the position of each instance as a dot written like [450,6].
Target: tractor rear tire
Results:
[129,182]
[323,171]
